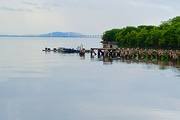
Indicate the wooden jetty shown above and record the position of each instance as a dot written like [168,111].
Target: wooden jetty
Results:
[173,55]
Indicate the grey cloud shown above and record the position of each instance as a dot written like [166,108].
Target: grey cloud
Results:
[43,8]
[37,6]
[150,5]
[47,8]
[14,9]
[30,3]
[74,5]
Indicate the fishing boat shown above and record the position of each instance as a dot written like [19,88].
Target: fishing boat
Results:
[79,49]
[66,50]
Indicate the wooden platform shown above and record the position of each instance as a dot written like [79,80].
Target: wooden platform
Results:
[173,55]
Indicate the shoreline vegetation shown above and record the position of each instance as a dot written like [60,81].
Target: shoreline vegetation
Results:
[164,36]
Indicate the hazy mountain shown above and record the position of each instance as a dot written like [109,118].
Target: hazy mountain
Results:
[60,34]
[53,34]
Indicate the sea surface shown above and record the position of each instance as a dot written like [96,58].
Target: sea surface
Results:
[37,85]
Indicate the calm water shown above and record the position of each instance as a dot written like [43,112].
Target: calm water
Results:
[35,85]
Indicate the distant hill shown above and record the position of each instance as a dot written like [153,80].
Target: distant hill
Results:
[61,34]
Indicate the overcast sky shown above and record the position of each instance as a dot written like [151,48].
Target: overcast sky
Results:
[83,16]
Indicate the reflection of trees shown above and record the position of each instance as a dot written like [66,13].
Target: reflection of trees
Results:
[161,63]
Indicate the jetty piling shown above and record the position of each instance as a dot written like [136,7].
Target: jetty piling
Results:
[128,53]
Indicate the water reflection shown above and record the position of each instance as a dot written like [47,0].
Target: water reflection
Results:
[108,60]
[42,86]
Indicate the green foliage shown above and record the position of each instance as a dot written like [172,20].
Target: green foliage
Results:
[141,37]
[110,35]
[166,35]
[125,36]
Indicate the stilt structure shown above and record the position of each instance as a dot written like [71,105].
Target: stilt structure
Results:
[140,53]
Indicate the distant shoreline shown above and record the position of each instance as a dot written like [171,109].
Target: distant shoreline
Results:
[55,34]
[83,36]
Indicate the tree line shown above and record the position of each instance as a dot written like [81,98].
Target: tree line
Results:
[164,36]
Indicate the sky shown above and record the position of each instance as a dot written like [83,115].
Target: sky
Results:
[92,17]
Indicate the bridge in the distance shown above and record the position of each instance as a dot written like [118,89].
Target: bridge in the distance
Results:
[75,36]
